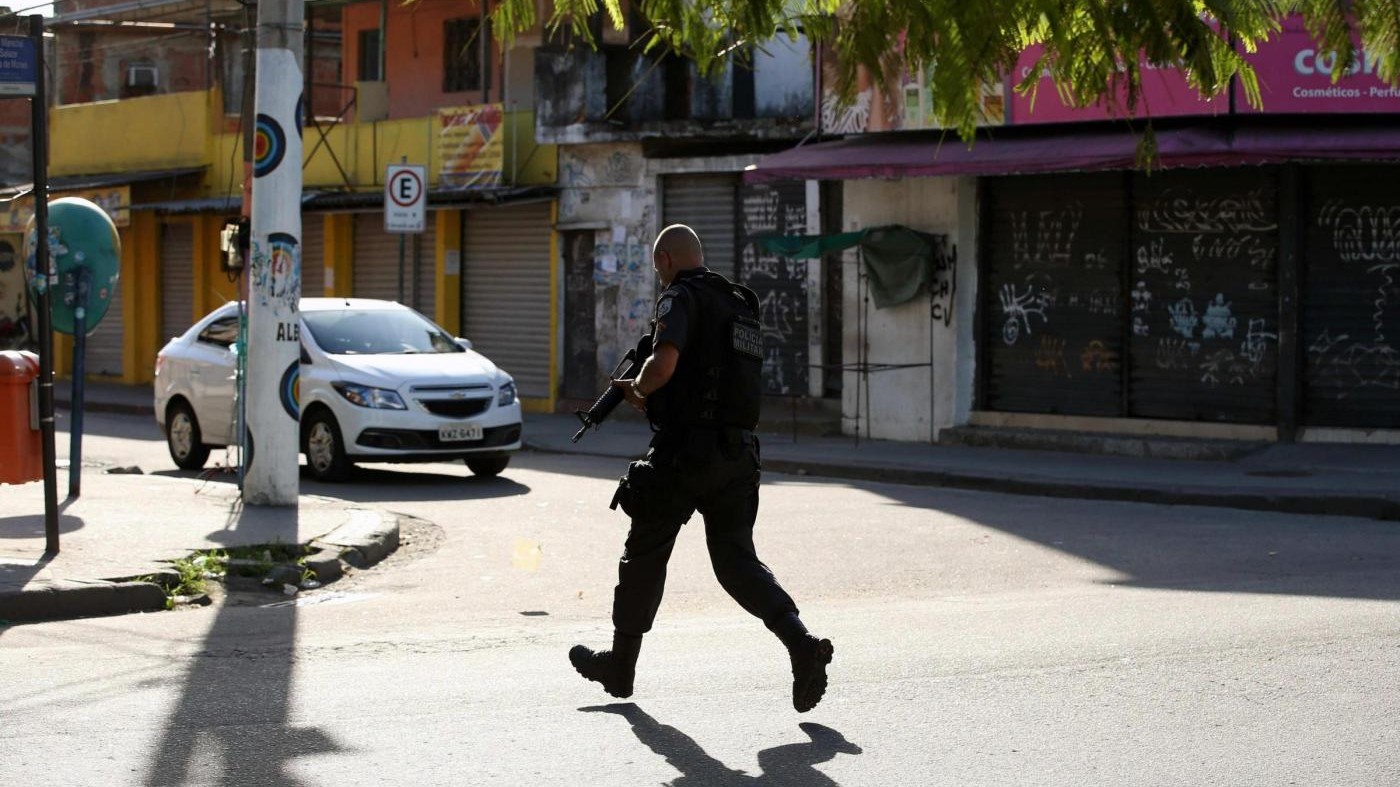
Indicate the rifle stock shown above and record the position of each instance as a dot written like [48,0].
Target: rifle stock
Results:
[613,396]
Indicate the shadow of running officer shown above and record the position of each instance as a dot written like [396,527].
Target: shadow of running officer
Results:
[700,390]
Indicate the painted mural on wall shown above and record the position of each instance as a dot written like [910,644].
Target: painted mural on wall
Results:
[779,282]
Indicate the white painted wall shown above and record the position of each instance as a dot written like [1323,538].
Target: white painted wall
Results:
[910,404]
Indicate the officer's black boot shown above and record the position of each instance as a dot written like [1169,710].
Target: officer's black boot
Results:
[809,655]
[613,668]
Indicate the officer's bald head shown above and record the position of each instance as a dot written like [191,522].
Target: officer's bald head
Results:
[677,249]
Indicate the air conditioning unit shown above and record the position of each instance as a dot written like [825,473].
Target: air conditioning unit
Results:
[142,76]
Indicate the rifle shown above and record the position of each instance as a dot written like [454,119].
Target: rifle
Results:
[613,396]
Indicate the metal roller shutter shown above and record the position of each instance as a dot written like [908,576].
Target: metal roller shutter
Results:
[1052,314]
[313,255]
[707,204]
[104,344]
[424,295]
[376,267]
[1351,300]
[176,279]
[505,290]
[1204,296]
[779,282]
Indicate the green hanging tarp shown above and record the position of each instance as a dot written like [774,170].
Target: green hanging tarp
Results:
[898,260]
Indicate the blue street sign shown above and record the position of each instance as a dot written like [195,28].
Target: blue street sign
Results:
[18,66]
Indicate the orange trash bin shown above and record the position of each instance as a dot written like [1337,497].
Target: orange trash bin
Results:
[21,451]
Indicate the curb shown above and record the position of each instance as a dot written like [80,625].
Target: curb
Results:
[1363,506]
[369,537]
[67,599]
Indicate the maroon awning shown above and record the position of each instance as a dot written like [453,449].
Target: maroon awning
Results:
[920,154]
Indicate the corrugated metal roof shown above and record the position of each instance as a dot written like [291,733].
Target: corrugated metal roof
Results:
[75,182]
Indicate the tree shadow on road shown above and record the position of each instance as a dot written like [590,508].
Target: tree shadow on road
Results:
[789,765]
[231,724]
[1192,548]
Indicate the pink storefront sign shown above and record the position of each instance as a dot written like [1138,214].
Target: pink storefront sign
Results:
[1164,94]
[1294,77]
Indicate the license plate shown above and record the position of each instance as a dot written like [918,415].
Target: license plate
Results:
[457,434]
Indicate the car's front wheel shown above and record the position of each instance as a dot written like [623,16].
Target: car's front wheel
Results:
[324,448]
[488,466]
[183,438]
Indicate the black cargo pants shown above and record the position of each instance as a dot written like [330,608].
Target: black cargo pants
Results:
[715,472]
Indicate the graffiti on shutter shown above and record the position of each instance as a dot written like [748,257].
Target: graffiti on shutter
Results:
[779,282]
[1351,298]
[1204,300]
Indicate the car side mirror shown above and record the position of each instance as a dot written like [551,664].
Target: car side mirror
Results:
[465,344]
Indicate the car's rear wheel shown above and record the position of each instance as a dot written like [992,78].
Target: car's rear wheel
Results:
[324,448]
[183,438]
[488,466]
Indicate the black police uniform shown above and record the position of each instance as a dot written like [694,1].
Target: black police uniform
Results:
[704,455]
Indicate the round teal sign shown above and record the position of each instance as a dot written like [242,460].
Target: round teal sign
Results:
[82,237]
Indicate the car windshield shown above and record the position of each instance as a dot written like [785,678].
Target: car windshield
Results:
[377,332]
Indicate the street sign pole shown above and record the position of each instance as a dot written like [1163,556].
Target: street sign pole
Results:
[75,429]
[401,268]
[39,138]
[274,272]
[405,203]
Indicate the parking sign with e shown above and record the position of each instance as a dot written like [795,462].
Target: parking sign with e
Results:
[405,197]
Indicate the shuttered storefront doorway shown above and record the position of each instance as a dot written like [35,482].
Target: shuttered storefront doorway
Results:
[313,255]
[1204,296]
[505,290]
[779,282]
[105,343]
[376,266]
[708,204]
[176,279]
[1351,298]
[1143,297]
[1052,303]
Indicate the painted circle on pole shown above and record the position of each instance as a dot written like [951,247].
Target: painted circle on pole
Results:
[289,391]
[269,146]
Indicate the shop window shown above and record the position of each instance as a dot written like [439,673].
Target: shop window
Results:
[369,70]
[461,55]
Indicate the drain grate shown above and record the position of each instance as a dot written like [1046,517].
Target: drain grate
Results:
[1280,473]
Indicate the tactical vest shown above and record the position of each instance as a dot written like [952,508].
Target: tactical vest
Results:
[719,377]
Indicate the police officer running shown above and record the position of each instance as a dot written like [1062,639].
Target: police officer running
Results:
[701,391]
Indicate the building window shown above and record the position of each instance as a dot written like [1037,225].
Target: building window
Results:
[142,79]
[461,55]
[369,56]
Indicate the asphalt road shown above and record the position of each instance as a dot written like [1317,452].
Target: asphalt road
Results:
[981,640]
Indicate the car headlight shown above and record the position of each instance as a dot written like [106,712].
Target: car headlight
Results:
[506,395]
[364,396]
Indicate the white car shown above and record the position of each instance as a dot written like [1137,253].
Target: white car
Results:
[379,383]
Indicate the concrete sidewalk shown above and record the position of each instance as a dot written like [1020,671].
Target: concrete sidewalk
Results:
[1351,480]
[1296,478]
[125,527]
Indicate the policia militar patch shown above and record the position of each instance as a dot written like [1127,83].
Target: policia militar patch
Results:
[746,336]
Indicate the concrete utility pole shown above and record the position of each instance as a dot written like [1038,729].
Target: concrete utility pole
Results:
[274,273]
